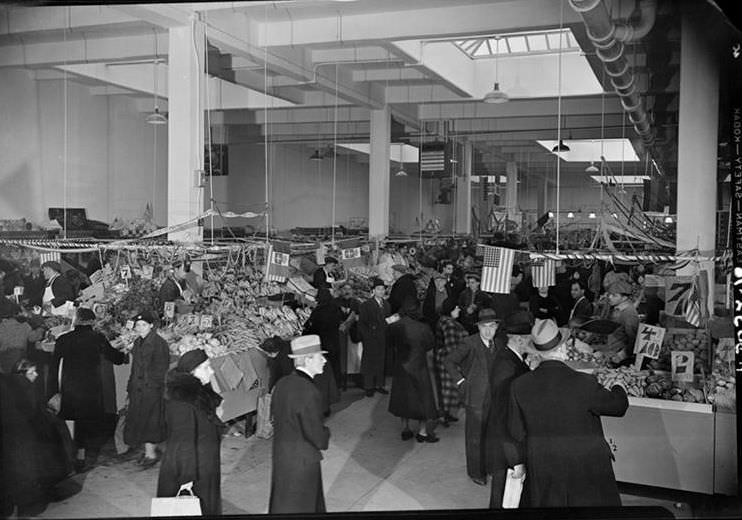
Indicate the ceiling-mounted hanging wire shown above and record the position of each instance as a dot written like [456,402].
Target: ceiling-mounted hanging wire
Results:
[208,126]
[334,159]
[265,139]
[559,117]
[65,158]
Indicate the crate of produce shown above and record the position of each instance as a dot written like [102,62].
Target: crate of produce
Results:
[697,341]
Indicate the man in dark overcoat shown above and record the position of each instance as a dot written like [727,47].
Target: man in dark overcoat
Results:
[503,452]
[372,329]
[403,288]
[299,434]
[324,276]
[470,366]
[471,301]
[555,411]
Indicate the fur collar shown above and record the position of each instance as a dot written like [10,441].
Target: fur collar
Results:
[188,389]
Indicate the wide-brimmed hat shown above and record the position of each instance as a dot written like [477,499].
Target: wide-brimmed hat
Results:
[306,346]
[55,266]
[518,322]
[487,316]
[620,287]
[594,325]
[546,335]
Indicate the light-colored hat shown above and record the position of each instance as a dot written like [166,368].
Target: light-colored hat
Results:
[306,346]
[546,335]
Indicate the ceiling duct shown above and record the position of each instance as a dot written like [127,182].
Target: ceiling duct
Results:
[608,38]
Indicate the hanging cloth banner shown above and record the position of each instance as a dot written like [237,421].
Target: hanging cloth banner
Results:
[350,253]
[277,268]
[543,272]
[497,269]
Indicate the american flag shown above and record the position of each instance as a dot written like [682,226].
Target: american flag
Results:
[497,269]
[278,269]
[50,257]
[351,253]
[693,307]
[543,272]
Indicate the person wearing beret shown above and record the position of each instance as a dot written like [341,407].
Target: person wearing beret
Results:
[193,412]
[372,326]
[471,301]
[623,312]
[555,412]
[470,366]
[503,452]
[324,276]
[58,289]
[299,433]
[81,383]
[145,422]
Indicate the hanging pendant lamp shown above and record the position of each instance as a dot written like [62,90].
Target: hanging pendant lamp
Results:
[316,156]
[561,147]
[401,172]
[496,95]
[156,117]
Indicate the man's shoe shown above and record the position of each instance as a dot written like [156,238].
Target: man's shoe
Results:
[370,393]
[148,462]
[382,391]
[479,481]
[407,434]
[426,438]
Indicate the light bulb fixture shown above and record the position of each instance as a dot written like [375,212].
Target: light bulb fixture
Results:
[668,219]
[570,215]
[496,95]
[316,156]
[561,147]
[592,168]
[401,172]
[155,118]
[591,215]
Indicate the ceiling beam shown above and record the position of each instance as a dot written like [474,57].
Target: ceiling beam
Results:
[26,21]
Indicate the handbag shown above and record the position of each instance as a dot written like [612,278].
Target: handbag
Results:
[185,505]
[264,428]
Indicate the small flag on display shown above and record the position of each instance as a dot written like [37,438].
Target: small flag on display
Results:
[278,269]
[497,269]
[50,257]
[350,253]
[543,272]
[693,308]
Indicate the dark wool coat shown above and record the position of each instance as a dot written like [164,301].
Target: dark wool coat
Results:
[473,362]
[545,307]
[480,299]
[82,387]
[170,290]
[325,321]
[581,308]
[429,311]
[62,290]
[145,420]
[372,329]
[556,412]
[193,443]
[404,288]
[319,279]
[299,436]
[502,451]
[412,391]
[33,288]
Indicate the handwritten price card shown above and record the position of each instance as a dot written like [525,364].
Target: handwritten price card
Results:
[681,365]
[649,341]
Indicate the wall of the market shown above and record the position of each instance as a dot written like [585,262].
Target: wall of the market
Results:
[107,149]
[301,190]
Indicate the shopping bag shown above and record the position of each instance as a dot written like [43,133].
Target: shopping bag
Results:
[513,489]
[185,505]
[118,434]
[264,428]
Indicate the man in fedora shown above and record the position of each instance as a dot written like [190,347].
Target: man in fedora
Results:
[502,451]
[555,412]
[470,366]
[299,433]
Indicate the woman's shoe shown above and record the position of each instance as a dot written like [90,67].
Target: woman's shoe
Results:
[426,438]
[148,462]
[407,434]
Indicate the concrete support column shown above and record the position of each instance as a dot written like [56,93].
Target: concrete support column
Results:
[378,182]
[697,145]
[463,192]
[185,130]
[511,191]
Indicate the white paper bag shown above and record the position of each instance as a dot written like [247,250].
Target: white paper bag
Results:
[513,489]
[185,505]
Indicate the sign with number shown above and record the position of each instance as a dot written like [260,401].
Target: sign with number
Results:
[193,320]
[280,258]
[207,321]
[681,365]
[18,290]
[147,272]
[677,292]
[169,310]
[649,340]
[352,253]
[126,272]
[129,324]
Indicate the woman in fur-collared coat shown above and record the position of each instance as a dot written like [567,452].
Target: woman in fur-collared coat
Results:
[194,433]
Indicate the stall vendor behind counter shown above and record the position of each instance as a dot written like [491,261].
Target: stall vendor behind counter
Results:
[58,289]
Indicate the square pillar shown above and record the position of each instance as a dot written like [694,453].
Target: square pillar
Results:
[378,183]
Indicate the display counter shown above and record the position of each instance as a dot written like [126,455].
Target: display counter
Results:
[674,445]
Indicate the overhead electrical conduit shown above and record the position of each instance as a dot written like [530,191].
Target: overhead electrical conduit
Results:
[608,38]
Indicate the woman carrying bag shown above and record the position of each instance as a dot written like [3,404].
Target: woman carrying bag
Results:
[194,433]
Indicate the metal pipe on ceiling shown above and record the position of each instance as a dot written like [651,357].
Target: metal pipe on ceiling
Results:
[608,38]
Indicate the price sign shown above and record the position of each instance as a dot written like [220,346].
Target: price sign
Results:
[147,272]
[18,290]
[649,340]
[677,291]
[97,277]
[193,320]
[130,324]
[126,272]
[169,310]
[207,321]
[681,365]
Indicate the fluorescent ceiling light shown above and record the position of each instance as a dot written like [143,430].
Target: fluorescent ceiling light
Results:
[401,153]
[586,150]
[621,179]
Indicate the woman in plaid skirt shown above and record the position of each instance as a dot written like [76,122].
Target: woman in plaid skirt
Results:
[449,333]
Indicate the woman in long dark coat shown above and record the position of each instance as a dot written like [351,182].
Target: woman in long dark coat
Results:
[81,386]
[325,321]
[412,392]
[145,421]
[194,433]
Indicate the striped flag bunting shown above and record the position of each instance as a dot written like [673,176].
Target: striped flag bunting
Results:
[543,272]
[278,268]
[433,158]
[692,312]
[497,269]
[50,257]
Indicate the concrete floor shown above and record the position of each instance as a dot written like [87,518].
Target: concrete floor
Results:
[366,468]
